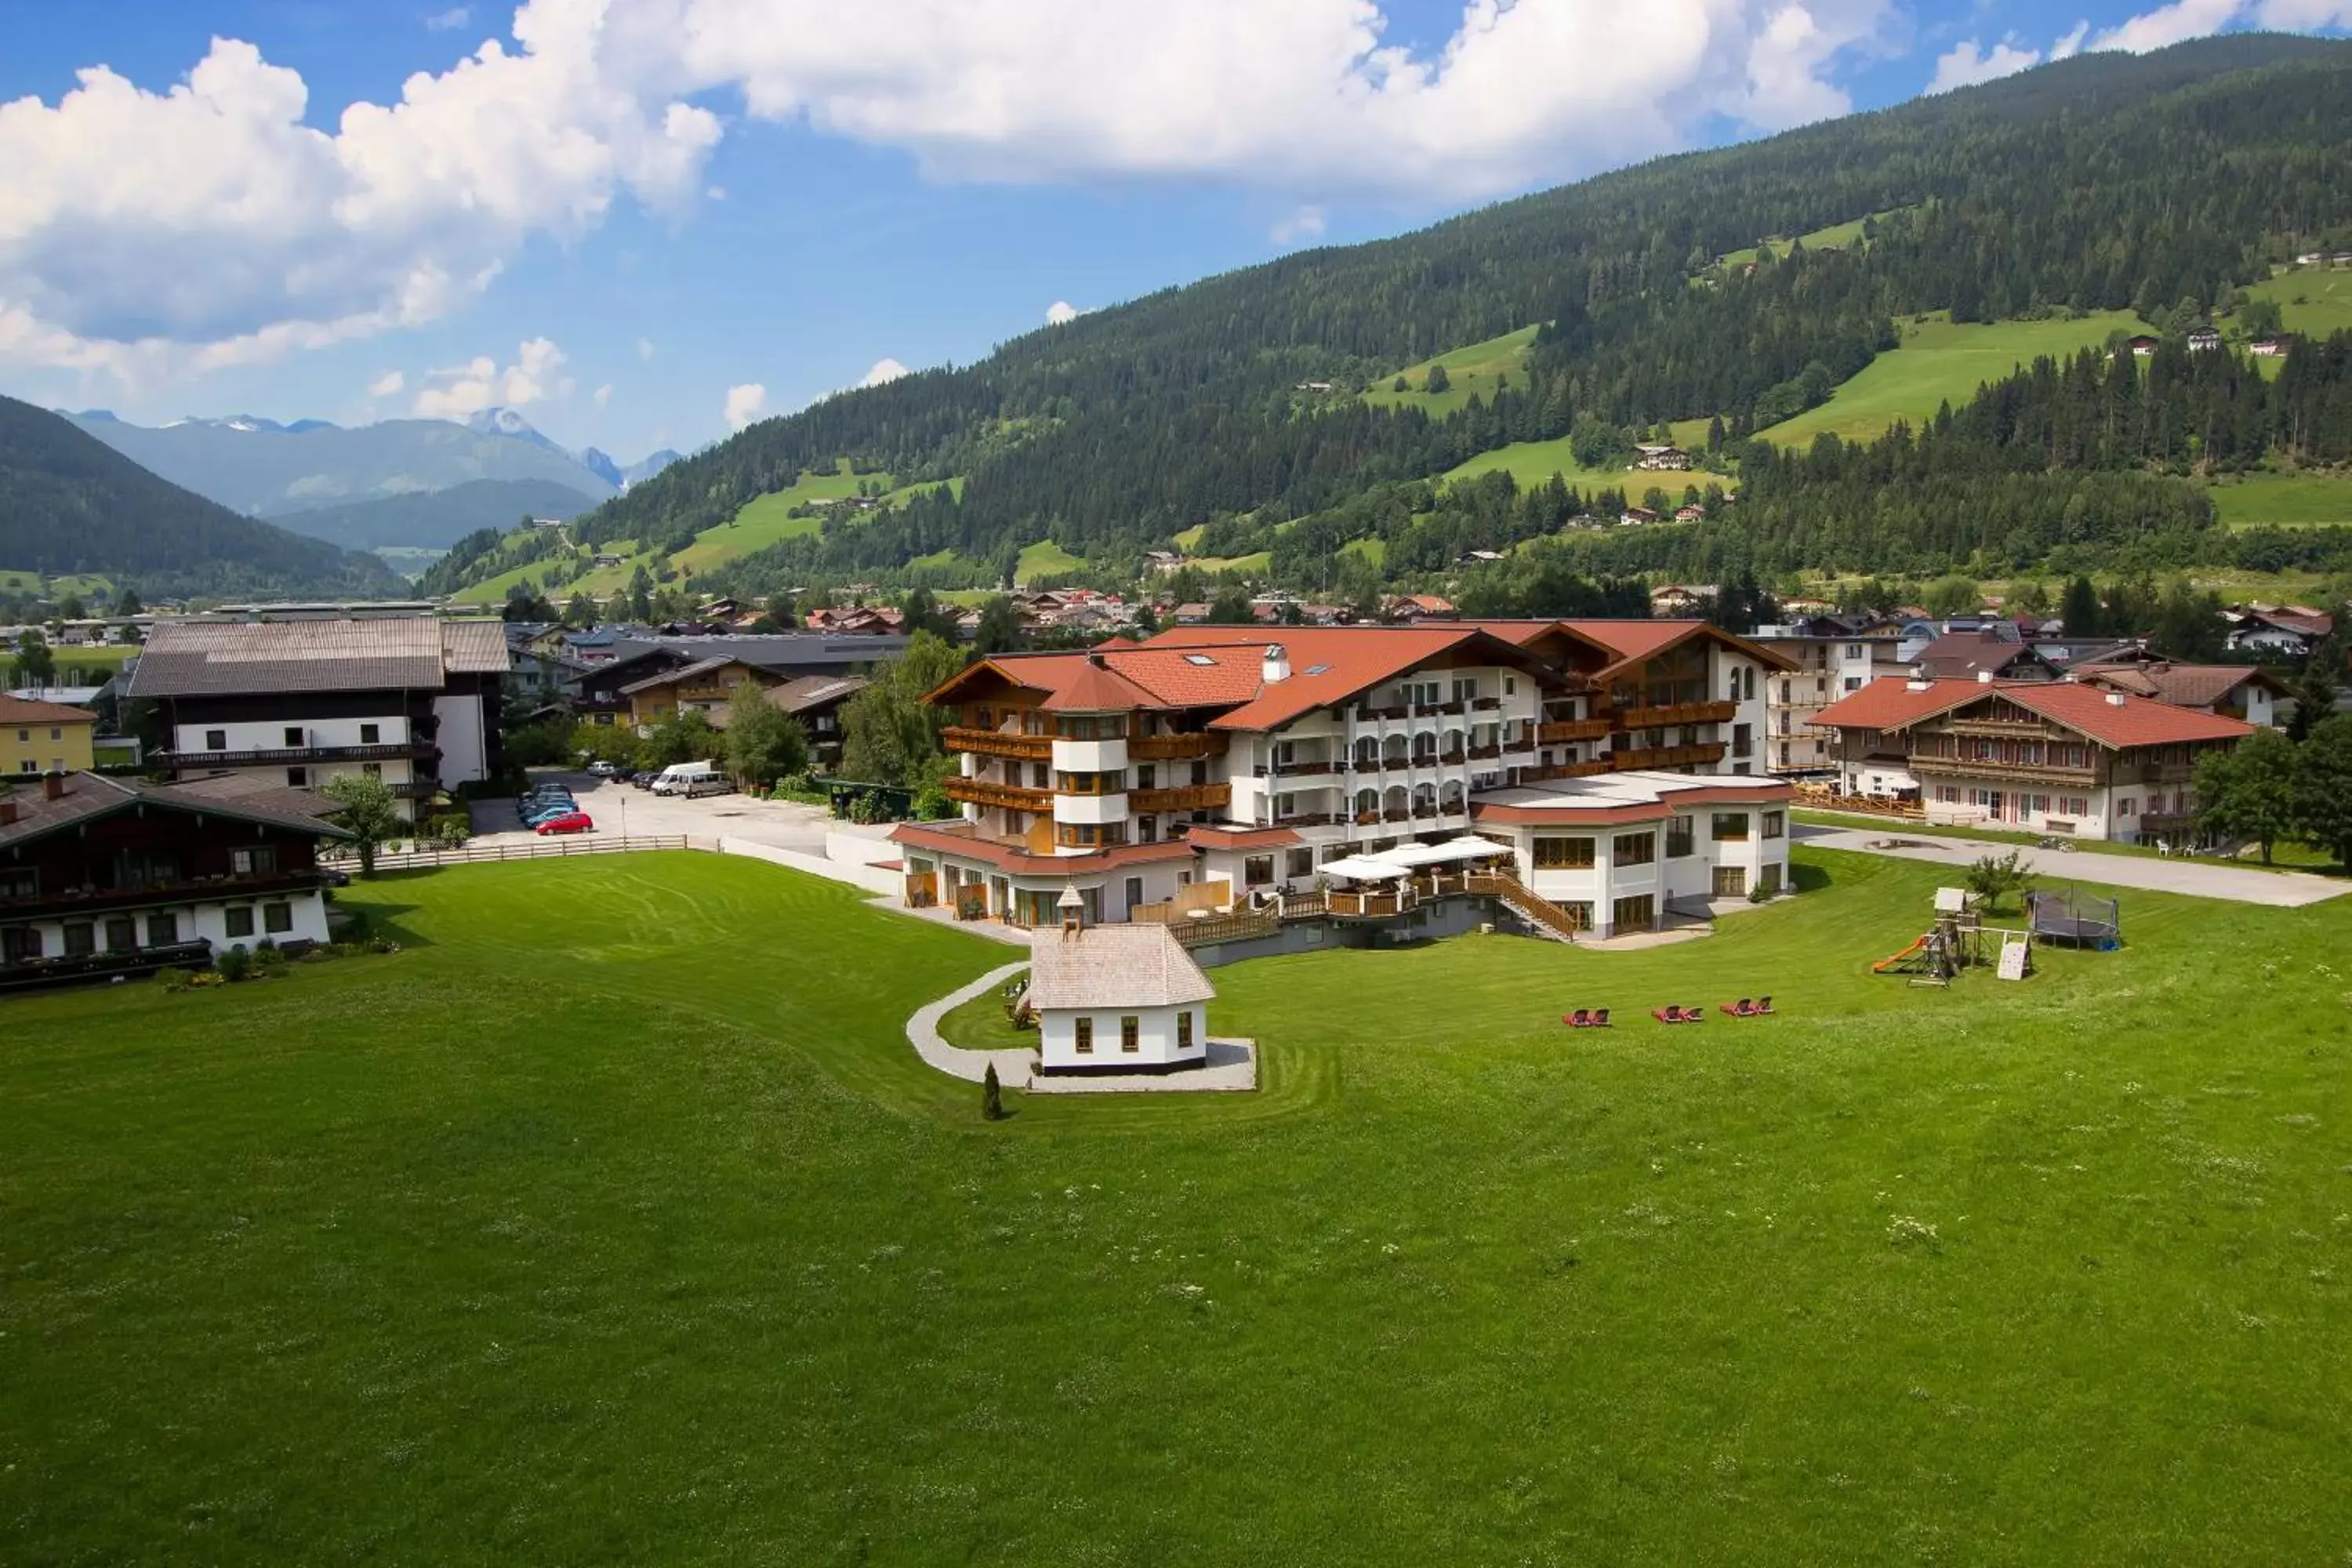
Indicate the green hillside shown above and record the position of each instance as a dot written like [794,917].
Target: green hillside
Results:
[2314,301]
[1470,371]
[1941,363]
[2301,499]
[1534,463]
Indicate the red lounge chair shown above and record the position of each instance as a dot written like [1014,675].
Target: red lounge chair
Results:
[1743,1008]
[1599,1018]
[1667,1015]
[1580,1019]
[1762,1007]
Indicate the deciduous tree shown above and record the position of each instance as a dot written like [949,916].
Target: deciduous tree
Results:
[2251,792]
[365,809]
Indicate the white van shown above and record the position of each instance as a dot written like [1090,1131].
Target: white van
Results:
[692,779]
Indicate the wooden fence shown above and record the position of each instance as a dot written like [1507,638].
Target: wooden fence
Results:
[538,850]
[1814,797]
[1239,926]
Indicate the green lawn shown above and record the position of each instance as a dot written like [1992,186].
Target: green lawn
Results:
[1939,362]
[99,591]
[1257,561]
[1534,462]
[1469,370]
[676,1254]
[1835,236]
[1045,559]
[2312,300]
[2298,499]
[765,520]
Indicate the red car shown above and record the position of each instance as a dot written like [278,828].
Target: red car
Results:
[570,822]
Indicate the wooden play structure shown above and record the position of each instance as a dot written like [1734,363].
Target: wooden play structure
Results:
[1958,940]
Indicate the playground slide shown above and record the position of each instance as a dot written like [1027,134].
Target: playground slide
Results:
[1883,964]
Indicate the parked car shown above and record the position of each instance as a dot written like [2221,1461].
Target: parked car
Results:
[603,769]
[566,822]
[533,817]
[644,780]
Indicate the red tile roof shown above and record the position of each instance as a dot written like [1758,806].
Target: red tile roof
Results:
[25,711]
[1095,689]
[1025,863]
[1889,703]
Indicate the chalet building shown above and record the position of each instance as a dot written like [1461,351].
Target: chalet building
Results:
[102,876]
[1970,656]
[1412,607]
[1116,999]
[2036,756]
[1681,598]
[2269,348]
[2142,346]
[413,701]
[37,737]
[2204,340]
[601,695]
[1136,771]
[2283,631]
[2245,691]
[700,686]
[1834,656]
[815,701]
[1635,516]
[1661,458]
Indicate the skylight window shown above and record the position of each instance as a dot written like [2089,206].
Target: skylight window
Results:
[1198,658]
[1318,669]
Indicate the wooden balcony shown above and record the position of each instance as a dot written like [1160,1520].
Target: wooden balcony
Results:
[2012,773]
[998,743]
[1369,906]
[1566,771]
[1176,747]
[1675,713]
[298,755]
[988,791]
[1306,770]
[1666,757]
[1563,730]
[1181,797]
[74,903]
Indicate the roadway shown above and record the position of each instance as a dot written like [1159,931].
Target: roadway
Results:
[2196,878]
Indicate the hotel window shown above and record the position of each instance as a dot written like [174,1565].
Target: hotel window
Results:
[1640,913]
[1682,837]
[294,737]
[371,734]
[18,943]
[1769,880]
[164,930]
[1184,1031]
[20,884]
[1090,783]
[1257,870]
[1775,824]
[1510,686]
[1563,854]
[1089,834]
[1300,863]
[81,939]
[1730,826]
[1750,681]
[55,734]
[1634,849]
[1131,1033]
[237,920]
[276,919]
[1580,913]
[121,933]
[1084,1042]
[215,739]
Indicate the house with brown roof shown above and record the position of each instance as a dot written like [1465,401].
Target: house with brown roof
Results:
[2246,691]
[1212,755]
[815,701]
[1982,653]
[2061,757]
[410,699]
[38,737]
[1116,999]
[2286,631]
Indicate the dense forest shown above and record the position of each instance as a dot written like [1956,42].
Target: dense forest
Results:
[2102,182]
[70,505]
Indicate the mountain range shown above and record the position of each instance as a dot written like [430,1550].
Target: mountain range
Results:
[71,505]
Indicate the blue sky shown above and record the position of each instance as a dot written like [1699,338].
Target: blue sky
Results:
[643,221]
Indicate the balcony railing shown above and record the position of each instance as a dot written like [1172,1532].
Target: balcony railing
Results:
[1671,714]
[998,743]
[71,903]
[300,754]
[1486,704]
[1365,715]
[988,791]
[1566,771]
[1557,731]
[1306,769]
[64,969]
[2036,772]
[1176,747]
[1181,797]
[1666,757]
[1309,819]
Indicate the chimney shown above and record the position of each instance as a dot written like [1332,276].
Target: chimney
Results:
[8,813]
[1917,684]
[1275,667]
[1984,677]
[1074,911]
[53,786]
[2117,700]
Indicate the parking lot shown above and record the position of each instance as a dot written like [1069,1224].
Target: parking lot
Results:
[622,809]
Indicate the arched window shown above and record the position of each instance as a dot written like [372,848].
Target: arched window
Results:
[1397,799]
[1451,796]
[1454,743]
[1424,748]
[1368,800]
[1424,799]
[1368,750]
[1393,751]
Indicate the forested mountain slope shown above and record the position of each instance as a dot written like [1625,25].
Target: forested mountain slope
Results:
[2104,182]
[71,505]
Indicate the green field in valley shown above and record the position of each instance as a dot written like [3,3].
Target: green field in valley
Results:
[677,1253]
[1470,370]
[1045,559]
[1833,237]
[90,586]
[1940,363]
[1534,463]
[2315,301]
[2296,500]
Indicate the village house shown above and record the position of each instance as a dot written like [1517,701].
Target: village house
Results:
[2283,631]
[2269,348]
[2035,756]
[1673,599]
[1634,516]
[2246,691]
[410,699]
[37,737]
[2142,345]
[1998,650]
[1114,999]
[103,877]
[1661,458]
[1832,656]
[814,700]
[1142,772]
[2204,340]
[1408,608]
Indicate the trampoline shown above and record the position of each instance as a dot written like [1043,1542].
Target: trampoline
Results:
[2075,919]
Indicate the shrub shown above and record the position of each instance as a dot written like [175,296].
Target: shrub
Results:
[175,980]
[235,964]
[1760,894]
[992,1097]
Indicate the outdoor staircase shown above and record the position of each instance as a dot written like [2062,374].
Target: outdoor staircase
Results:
[1547,918]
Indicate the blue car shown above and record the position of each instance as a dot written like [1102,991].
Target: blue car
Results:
[539,813]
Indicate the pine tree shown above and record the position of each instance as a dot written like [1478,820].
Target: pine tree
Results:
[992,1097]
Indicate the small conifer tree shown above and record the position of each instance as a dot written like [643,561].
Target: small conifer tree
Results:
[992,1097]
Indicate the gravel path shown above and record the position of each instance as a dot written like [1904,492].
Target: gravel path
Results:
[2196,878]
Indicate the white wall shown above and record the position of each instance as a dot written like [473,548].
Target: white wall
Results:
[206,922]
[1156,1039]
[270,735]
[462,740]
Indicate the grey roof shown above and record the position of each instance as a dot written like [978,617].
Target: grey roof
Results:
[807,651]
[1114,967]
[89,796]
[233,658]
[813,691]
[681,672]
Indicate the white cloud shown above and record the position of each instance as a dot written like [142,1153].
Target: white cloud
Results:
[884,370]
[1965,64]
[460,390]
[1061,313]
[2304,16]
[446,21]
[388,384]
[602,395]
[2168,24]
[1307,223]
[645,348]
[2067,47]
[744,404]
